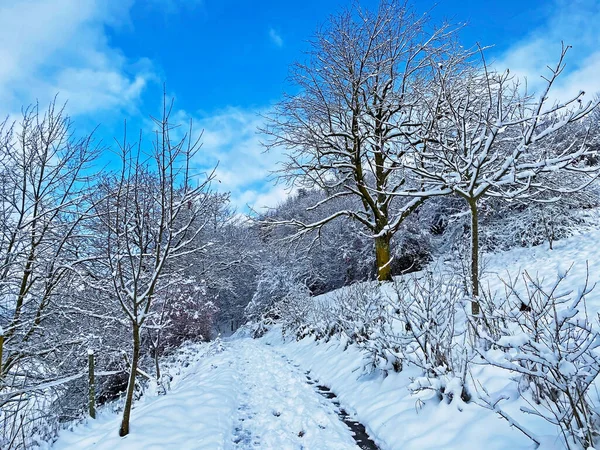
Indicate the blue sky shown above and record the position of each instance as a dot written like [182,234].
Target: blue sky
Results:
[226,61]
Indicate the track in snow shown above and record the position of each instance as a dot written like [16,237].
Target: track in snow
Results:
[359,433]
[279,409]
[361,437]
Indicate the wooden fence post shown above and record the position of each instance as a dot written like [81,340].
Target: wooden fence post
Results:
[91,384]
[1,348]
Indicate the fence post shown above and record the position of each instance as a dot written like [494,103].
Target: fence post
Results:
[91,384]
[1,348]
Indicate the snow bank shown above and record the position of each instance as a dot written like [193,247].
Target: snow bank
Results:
[198,413]
[393,417]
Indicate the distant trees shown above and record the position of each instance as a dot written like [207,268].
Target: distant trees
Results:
[334,256]
[347,131]
[226,269]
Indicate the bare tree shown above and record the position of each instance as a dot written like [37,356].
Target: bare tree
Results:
[346,130]
[149,217]
[43,201]
[484,136]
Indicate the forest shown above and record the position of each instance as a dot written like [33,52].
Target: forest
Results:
[413,166]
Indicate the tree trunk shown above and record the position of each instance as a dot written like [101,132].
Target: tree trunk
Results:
[156,363]
[124,430]
[382,257]
[474,256]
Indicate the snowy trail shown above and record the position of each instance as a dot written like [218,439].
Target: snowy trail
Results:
[280,410]
[246,397]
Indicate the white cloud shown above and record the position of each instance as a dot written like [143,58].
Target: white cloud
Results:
[60,46]
[261,201]
[572,22]
[275,37]
[231,139]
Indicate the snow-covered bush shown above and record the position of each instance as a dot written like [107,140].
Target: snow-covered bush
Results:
[359,310]
[546,219]
[293,311]
[430,331]
[428,305]
[550,341]
[188,316]
[275,281]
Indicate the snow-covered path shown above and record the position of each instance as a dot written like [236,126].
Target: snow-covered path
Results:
[246,397]
[280,410]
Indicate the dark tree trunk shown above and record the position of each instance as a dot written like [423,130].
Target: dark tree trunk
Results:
[124,430]
[474,256]
[1,350]
[156,363]
[91,385]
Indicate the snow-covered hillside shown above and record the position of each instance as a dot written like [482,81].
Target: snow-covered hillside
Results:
[399,419]
[253,393]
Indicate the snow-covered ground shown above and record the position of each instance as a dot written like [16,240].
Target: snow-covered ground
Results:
[245,397]
[397,419]
[198,411]
[574,254]
[251,396]
[393,417]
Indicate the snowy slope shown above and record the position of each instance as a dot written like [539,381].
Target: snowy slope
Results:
[399,420]
[250,396]
[575,253]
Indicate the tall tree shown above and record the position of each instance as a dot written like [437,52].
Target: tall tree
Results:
[346,130]
[483,135]
[43,201]
[149,216]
